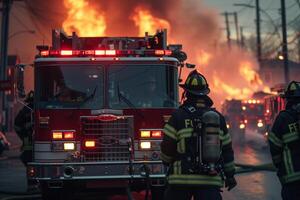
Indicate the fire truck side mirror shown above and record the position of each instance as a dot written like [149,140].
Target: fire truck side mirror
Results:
[20,80]
[190,66]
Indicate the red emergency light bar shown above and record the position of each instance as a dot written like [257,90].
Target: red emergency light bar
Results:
[82,53]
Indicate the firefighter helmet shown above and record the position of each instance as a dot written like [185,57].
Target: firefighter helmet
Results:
[29,97]
[196,84]
[292,90]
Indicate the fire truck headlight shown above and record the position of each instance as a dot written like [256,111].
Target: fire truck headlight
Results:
[145,145]
[69,146]
[242,126]
[227,125]
[260,124]
[90,143]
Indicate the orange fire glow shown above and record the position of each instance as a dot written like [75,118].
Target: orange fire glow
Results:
[147,22]
[84,19]
[230,91]
[249,74]
[203,58]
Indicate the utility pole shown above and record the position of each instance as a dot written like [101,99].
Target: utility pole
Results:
[6,5]
[299,47]
[227,29]
[284,43]
[236,27]
[258,40]
[242,37]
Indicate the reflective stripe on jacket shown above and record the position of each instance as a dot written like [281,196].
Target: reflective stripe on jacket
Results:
[177,132]
[284,143]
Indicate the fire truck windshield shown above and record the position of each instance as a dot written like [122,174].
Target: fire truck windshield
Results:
[142,86]
[254,109]
[70,86]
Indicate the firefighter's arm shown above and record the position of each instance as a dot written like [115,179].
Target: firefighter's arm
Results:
[227,151]
[169,144]
[19,121]
[2,136]
[275,140]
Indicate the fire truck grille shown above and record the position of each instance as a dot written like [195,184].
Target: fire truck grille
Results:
[111,138]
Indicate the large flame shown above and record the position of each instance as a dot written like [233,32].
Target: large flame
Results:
[146,22]
[84,19]
[231,71]
[230,91]
[203,58]
[249,74]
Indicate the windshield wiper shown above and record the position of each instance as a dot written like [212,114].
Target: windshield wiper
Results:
[124,99]
[90,97]
[128,102]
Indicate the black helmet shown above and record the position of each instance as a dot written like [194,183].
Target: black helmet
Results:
[29,97]
[292,90]
[196,84]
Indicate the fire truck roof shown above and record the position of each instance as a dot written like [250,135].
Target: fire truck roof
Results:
[75,46]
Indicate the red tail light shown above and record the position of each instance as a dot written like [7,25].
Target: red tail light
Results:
[151,134]
[168,52]
[63,134]
[69,135]
[156,134]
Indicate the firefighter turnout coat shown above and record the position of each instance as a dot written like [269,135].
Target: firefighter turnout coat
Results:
[177,134]
[284,141]
[24,127]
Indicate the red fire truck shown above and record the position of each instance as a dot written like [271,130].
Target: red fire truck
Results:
[273,104]
[100,106]
[232,110]
[253,110]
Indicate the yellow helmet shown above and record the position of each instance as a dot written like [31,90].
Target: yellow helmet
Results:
[196,84]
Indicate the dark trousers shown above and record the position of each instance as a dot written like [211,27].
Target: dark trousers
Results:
[26,157]
[186,193]
[291,191]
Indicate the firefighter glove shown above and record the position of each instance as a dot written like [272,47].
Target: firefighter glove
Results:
[230,183]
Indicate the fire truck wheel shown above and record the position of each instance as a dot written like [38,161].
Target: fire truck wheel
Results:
[48,194]
[55,193]
[157,192]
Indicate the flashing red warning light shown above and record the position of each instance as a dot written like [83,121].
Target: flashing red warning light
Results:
[159,52]
[66,52]
[168,52]
[44,53]
[100,52]
[110,52]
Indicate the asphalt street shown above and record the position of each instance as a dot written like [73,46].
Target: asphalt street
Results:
[261,185]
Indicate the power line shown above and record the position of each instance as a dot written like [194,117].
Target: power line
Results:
[34,17]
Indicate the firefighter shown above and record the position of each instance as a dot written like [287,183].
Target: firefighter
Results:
[24,129]
[284,140]
[197,146]
[4,144]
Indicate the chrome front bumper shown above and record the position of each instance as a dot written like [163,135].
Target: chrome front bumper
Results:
[96,170]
